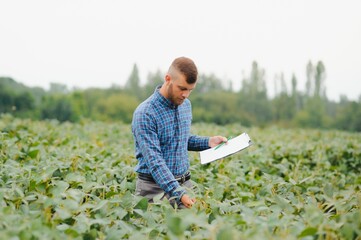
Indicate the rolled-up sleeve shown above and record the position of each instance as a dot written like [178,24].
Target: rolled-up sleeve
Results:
[198,143]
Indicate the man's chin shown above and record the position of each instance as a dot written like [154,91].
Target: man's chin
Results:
[180,102]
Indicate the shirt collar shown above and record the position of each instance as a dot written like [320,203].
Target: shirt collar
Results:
[164,101]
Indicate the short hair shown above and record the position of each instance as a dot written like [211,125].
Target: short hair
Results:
[186,67]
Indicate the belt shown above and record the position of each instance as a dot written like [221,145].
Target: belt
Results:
[181,178]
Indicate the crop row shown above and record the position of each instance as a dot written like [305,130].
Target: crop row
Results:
[76,181]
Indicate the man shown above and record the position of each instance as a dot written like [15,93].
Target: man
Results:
[161,130]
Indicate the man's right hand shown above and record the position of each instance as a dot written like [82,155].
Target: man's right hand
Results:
[187,201]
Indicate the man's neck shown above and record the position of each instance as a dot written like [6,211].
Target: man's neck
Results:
[163,91]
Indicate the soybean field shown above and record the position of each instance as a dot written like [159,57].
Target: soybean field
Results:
[76,181]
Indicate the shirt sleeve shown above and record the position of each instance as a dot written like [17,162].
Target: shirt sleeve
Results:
[198,143]
[145,133]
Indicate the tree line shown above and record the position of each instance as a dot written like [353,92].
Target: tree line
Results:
[212,101]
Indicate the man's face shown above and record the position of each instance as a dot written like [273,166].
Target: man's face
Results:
[179,89]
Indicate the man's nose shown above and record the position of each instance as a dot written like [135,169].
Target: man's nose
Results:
[186,93]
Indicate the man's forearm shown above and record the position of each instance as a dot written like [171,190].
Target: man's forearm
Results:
[198,143]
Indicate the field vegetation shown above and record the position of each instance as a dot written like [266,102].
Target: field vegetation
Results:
[76,181]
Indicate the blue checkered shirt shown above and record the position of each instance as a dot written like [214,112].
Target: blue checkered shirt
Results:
[162,137]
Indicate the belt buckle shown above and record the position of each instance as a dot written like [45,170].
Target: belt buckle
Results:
[183,178]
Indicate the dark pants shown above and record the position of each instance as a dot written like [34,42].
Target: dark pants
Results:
[150,189]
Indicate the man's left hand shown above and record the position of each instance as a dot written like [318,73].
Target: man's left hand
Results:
[215,140]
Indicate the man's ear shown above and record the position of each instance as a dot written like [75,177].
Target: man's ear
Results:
[167,78]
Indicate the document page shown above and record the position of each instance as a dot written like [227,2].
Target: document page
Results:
[225,149]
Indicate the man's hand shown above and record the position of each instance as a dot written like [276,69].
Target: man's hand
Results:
[214,141]
[187,201]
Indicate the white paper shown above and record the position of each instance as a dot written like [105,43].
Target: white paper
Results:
[232,146]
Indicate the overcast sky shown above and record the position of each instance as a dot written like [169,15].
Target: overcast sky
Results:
[94,43]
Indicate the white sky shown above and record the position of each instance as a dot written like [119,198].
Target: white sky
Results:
[87,43]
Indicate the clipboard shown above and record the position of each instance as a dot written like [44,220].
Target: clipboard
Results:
[232,146]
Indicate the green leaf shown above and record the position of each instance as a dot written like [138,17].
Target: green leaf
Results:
[158,198]
[75,194]
[74,178]
[211,218]
[225,233]
[100,205]
[63,213]
[62,227]
[34,153]
[176,225]
[310,231]
[19,192]
[328,190]
[70,204]
[127,200]
[283,203]
[292,181]
[154,234]
[120,213]
[31,197]
[60,187]
[142,204]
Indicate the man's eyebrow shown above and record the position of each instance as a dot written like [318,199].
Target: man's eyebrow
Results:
[182,87]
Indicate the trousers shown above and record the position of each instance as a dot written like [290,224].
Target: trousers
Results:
[150,189]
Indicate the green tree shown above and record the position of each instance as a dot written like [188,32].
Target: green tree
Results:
[217,107]
[253,98]
[153,80]
[320,75]
[314,113]
[16,99]
[209,83]
[348,115]
[310,76]
[90,98]
[58,107]
[132,85]
[283,104]
[296,96]
[79,105]
[58,88]
[25,106]
[116,107]
[6,100]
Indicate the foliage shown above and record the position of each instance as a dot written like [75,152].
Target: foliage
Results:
[153,80]
[223,103]
[58,107]
[76,181]
[212,102]
[253,96]
[20,104]
[209,83]
[17,89]
[117,106]
[348,116]
[132,85]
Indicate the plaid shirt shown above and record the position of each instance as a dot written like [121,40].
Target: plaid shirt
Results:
[162,137]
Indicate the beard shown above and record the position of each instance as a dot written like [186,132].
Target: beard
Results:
[173,98]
